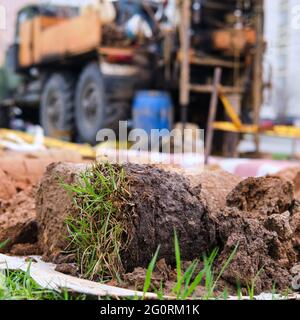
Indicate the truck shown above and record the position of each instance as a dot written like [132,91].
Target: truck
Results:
[81,67]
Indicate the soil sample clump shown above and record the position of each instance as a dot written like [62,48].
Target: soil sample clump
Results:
[133,210]
[259,219]
[165,202]
[266,195]
[54,205]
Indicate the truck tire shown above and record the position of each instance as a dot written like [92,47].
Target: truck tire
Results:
[57,111]
[97,106]
[4,117]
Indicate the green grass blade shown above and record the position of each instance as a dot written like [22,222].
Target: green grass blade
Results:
[149,272]
[4,244]
[225,266]
[178,265]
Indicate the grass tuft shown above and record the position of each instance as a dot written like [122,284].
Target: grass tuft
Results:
[97,231]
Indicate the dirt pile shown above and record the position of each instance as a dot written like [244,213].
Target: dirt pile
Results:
[262,218]
[19,173]
[18,220]
[262,222]
[26,169]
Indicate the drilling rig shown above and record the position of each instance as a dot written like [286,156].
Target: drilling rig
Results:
[81,67]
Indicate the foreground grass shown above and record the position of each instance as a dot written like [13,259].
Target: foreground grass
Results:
[189,280]
[18,285]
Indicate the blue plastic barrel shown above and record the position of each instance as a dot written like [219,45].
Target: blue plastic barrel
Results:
[152,110]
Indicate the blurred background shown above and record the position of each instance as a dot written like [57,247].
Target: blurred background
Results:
[231,68]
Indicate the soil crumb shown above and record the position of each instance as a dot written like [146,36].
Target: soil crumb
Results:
[25,249]
[68,268]
[163,274]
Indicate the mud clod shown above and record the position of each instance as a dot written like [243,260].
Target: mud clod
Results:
[259,218]
[68,268]
[267,195]
[164,202]
[25,249]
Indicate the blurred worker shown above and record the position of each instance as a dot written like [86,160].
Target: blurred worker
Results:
[129,8]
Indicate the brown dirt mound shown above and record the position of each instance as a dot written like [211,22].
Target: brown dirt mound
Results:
[18,220]
[164,201]
[266,196]
[260,217]
[19,172]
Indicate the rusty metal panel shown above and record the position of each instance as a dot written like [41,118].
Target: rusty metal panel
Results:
[40,24]
[44,38]
[71,37]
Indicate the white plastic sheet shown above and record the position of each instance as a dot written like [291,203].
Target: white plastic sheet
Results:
[46,276]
